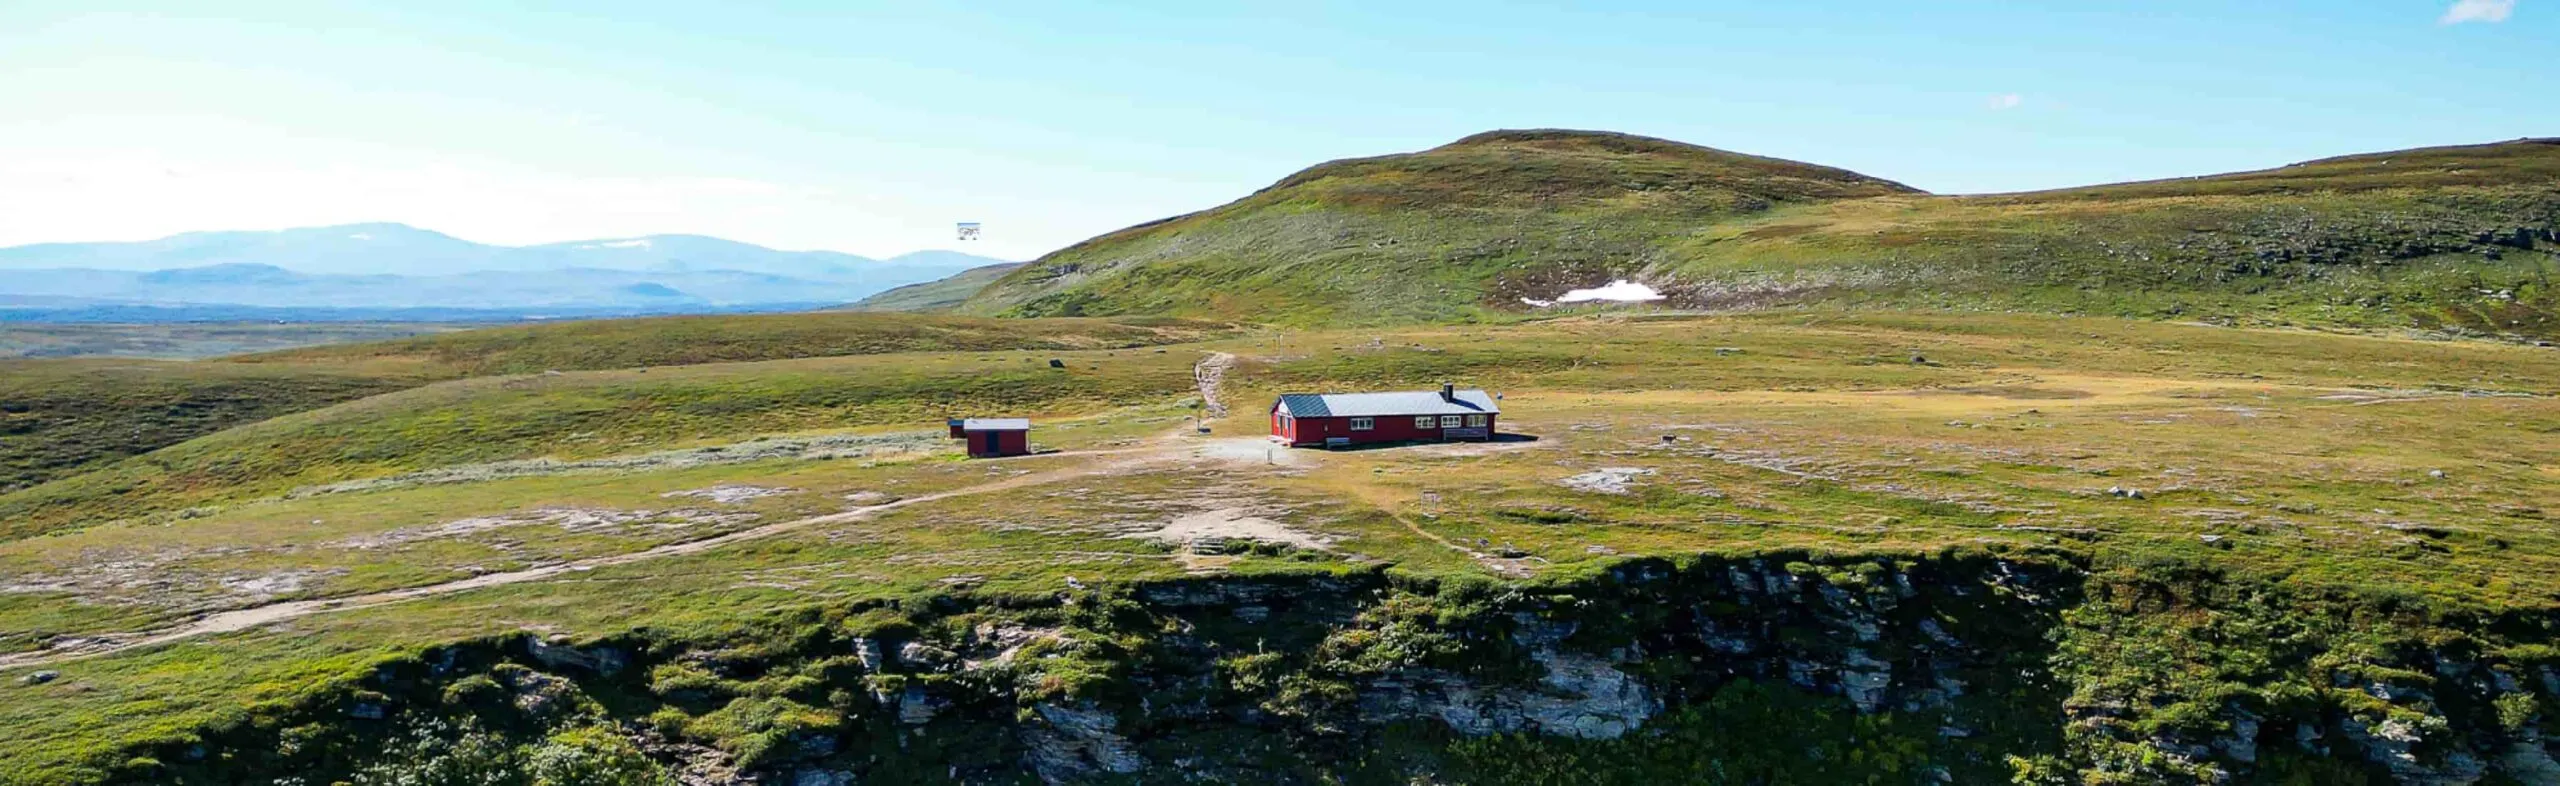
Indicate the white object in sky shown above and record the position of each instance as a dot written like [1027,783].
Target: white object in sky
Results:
[968,230]
[1619,291]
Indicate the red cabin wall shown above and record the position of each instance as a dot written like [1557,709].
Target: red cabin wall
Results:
[990,444]
[1390,428]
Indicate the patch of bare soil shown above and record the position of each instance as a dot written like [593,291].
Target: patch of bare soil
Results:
[1208,374]
[731,493]
[570,520]
[1607,480]
[1465,449]
[63,650]
[1231,524]
[1248,450]
[835,446]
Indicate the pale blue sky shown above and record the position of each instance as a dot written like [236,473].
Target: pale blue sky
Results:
[871,127]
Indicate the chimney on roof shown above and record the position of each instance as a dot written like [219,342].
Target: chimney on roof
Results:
[1448,392]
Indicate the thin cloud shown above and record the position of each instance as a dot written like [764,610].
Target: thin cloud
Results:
[2491,11]
[2006,101]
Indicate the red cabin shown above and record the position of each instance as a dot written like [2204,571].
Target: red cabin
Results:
[1338,419]
[993,437]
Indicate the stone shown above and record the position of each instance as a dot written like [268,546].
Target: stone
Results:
[556,652]
[921,655]
[822,778]
[2241,745]
[916,707]
[536,693]
[1073,743]
[1865,680]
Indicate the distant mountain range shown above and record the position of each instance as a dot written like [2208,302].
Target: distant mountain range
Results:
[377,267]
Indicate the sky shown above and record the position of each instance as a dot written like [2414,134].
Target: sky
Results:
[872,128]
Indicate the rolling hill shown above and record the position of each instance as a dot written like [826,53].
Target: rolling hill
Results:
[2059,550]
[1891,540]
[59,417]
[2453,238]
[936,295]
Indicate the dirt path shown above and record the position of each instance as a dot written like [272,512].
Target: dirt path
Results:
[1379,498]
[1209,373]
[243,619]
[1114,461]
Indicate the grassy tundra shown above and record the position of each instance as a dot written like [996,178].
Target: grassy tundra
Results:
[2395,480]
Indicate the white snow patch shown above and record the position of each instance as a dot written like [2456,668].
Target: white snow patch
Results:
[640,243]
[360,236]
[1619,291]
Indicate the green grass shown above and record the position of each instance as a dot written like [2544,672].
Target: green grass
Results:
[2453,239]
[61,416]
[2308,458]
[58,417]
[589,414]
[192,339]
[937,295]
[676,341]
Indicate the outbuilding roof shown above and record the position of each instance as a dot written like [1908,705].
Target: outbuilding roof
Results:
[1363,405]
[996,424]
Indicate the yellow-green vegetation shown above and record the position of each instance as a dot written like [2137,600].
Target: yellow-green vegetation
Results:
[2456,239]
[1419,237]
[193,339]
[676,341]
[586,415]
[2142,534]
[61,416]
[936,295]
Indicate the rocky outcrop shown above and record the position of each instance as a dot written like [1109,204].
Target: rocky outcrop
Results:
[1070,743]
[1577,695]
[1953,669]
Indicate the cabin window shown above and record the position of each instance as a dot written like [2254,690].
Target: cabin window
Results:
[1476,421]
[1363,424]
[1422,422]
[1448,421]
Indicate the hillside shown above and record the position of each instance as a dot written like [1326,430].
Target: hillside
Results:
[1792,548]
[58,417]
[686,340]
[937,295]
[1421,236]
[2454,238]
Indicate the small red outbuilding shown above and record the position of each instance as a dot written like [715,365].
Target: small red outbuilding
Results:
[1337,419]
[993,437]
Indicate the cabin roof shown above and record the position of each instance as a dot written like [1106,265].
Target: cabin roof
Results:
[996,424]
[1363,405]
